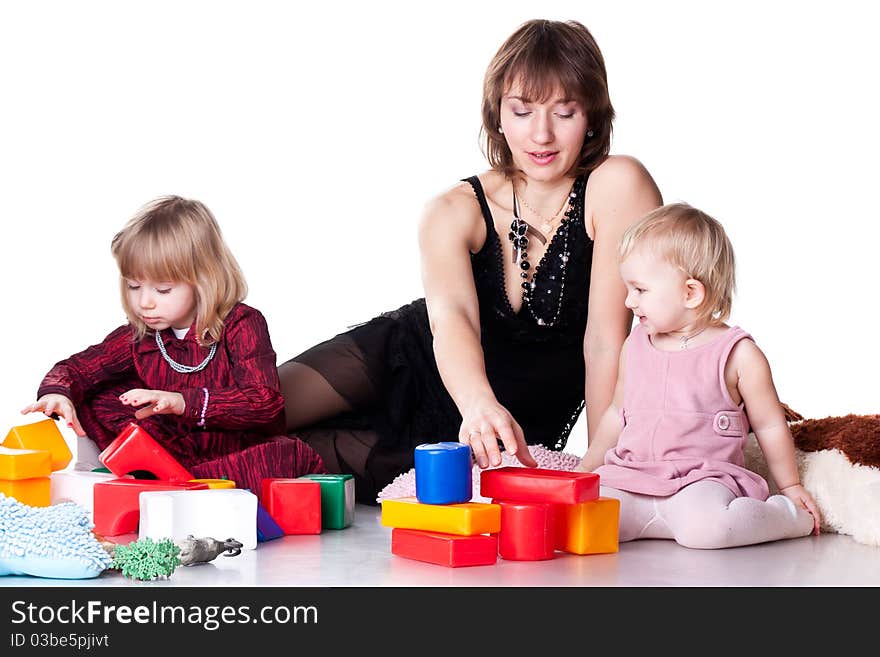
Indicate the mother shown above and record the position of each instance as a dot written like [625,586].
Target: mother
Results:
[523,316]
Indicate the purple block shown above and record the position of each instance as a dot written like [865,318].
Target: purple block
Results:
[267,528]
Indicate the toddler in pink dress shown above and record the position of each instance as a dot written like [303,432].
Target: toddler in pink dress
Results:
[670,446]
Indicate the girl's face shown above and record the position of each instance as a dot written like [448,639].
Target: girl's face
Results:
[162,304]
[656,292]
[545,137]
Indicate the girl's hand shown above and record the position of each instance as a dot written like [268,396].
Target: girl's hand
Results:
[57,405]
[483,424]
[158,402]
[799,495]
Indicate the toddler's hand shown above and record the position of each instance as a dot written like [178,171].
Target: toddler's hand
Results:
[157,402]
[799,495]
[58,405]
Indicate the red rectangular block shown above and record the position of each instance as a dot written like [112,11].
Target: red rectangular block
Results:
[134,449]
[295,504]
[539,485]
[117,506]
[444,549]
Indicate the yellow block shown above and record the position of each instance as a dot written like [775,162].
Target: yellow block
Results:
[589,527]
[24,463]
[33,492]
[466,519]
[216,483]
[41,435]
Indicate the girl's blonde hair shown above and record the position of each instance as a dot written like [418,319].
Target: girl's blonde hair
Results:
[695,243]
[173,239]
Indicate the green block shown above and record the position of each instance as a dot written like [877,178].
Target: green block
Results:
[337,499]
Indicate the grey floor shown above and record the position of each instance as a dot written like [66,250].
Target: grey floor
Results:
[360,555]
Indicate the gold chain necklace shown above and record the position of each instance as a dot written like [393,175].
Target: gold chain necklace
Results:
[546,224]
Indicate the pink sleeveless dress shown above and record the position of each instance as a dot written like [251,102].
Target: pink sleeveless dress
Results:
[680,424]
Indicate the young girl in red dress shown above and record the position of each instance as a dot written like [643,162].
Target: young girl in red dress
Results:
[194,366]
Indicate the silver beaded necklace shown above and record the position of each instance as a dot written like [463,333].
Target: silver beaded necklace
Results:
[179,367]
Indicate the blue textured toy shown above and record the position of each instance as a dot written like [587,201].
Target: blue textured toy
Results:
[443,473]
[53,541]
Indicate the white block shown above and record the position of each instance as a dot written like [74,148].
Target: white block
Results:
[219,513]
[76,486]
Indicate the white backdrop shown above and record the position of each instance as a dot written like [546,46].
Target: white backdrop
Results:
[317,131]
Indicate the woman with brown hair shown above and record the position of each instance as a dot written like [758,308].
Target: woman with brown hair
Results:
[523,316]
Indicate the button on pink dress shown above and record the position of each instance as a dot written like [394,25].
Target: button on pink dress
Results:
[680,424]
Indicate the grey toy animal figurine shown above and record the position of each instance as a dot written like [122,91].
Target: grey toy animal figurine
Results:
[201,550]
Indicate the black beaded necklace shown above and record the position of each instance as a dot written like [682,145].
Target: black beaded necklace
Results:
[519,237]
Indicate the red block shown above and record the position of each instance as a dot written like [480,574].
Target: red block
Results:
[295,504]
[444,549]
[135,449]
[539,485]
[117,509]
[527,531]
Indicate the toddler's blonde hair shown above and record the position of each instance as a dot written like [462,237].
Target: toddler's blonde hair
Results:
[173,239]
[695,243]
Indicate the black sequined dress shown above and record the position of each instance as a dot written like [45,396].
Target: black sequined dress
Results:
[385,368]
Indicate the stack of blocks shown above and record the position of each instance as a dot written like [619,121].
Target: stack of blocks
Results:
[534,512]
[440,524]
[28,455]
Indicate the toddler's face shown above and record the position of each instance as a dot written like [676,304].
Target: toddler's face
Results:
[162,304]
[656,291]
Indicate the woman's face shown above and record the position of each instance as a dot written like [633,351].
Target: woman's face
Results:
[545,137]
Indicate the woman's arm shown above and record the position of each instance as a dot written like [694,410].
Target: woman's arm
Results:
[450,229]
[619,192]
[609,427]
[749,369]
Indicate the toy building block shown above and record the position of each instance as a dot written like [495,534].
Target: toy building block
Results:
[42,435]
[465,519]
[76,486]
[588,527]
[337,499]
[134,449]
[116,506]
[33,492]
[295,504]
[216,483]
[220,513]
[267,528]
[443,473]
[539,485]
[24,463]
[444,549]
[527,531]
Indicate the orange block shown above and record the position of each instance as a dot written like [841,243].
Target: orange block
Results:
[588,527]
[33,492]
[24,463]
[41,435]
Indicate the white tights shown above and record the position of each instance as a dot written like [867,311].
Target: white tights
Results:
[707,515]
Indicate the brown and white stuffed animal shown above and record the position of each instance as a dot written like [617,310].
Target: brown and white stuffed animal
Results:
[839,464]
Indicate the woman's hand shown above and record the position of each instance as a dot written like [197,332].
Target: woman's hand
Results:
[801,498]
[484,423]
[158,402]
[56,405]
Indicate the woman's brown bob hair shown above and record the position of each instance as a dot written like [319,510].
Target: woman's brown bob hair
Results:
[173,239]
[545,56]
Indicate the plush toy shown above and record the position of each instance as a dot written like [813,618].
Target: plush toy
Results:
[54,541]
[839,463]
[838,460]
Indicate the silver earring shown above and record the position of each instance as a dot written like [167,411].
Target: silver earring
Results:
[589,133]
[500,130]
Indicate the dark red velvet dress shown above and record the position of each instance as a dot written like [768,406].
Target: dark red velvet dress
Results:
[243,438]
